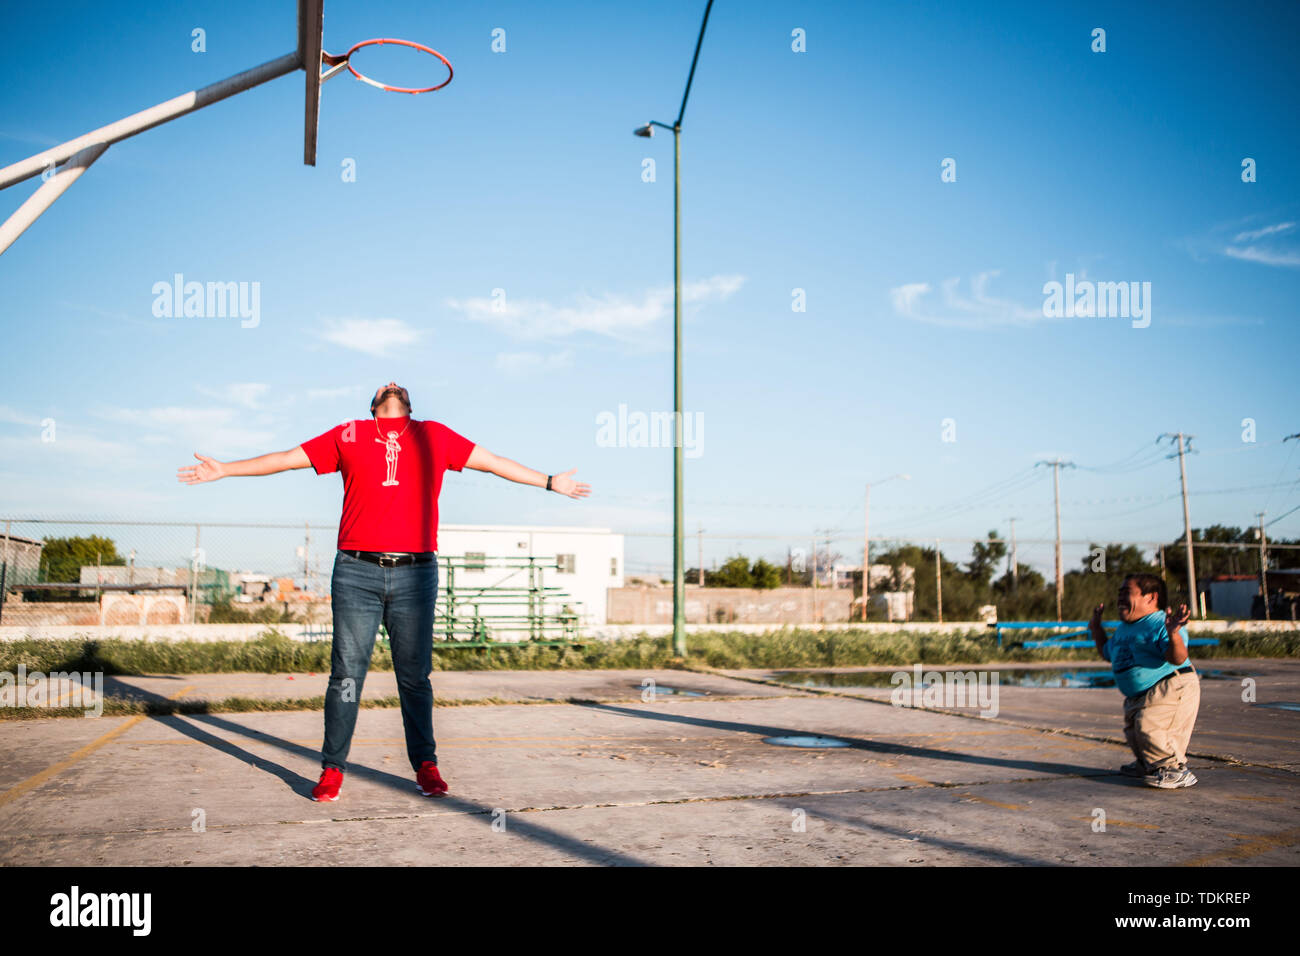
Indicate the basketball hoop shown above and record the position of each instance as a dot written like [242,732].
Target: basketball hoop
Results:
[337,63]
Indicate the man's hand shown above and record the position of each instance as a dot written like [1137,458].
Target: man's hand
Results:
[1175,620]
[1177,652]
[1097,630]
[208,469]
[567,486]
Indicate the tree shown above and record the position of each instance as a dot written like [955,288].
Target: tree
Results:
[984,559]
[733,574]
[764,575]
[1103,570]
[63,558]
[737,572]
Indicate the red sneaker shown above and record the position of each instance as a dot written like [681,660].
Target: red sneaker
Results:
[331,779]
[429,781]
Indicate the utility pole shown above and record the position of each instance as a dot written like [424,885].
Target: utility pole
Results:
[1057,464]
[866,555]
[1263,566]
[306,556]
[829,565]
[814,577]
[1162,562]
[938,578]
[700,538]
[1180,438]
[866,539]
[1015,562]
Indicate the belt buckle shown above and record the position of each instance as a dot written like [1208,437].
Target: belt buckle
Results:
[388,560]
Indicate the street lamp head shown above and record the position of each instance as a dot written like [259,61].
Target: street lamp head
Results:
[647,130]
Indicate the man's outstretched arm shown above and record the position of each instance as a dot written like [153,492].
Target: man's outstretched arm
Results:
[480,459]
[209,469]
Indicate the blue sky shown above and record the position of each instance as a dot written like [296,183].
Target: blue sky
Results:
[817,170]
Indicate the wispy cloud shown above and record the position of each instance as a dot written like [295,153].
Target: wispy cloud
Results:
[346,391]
[1261,233]
[1264,256]
[245,394]
[1274,244]
[977,310]
[377,337]
[611,315]
[517,363]
[12,417]
[215,428]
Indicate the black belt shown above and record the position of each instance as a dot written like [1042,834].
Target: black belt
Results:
[1185,669]
[393,559]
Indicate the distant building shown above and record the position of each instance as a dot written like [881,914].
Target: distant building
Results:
[1230,595]
[589,561]
[21,558]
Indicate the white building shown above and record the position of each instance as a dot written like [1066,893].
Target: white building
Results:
[590,561]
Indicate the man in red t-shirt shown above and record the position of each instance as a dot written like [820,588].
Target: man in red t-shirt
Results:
[386,569]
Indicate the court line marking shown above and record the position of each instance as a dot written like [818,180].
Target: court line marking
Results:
[1257,845]
[1110,822]
[16,791]
[991,803]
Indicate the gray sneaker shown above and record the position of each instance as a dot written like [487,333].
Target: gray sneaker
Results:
[1171,778]
[1134,769]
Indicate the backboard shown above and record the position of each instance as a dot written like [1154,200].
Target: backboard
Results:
[311,25]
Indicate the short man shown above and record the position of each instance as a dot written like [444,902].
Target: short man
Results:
[1162,691]
[386,569]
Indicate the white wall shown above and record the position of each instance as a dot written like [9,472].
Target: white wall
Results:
[593,550]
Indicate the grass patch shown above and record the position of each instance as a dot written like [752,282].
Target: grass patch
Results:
[274,653]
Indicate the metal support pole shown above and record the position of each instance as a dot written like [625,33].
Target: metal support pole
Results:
[194,575]
[151,117]
[44,197]
[4,568]
[76,155]
[679,582]
[1060,575]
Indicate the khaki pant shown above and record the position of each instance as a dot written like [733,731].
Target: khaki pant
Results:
[1158,723]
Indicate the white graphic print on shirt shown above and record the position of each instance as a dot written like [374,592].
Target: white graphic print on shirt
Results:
[391,448]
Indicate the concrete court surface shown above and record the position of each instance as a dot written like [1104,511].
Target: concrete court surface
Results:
[618,780]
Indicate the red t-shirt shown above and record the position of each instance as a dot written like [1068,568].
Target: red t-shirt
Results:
[392,473]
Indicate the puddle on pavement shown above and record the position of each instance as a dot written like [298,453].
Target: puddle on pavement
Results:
[808,741]
[1012,677]
[675,691]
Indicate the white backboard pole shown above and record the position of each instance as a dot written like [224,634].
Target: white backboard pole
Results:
[50,190]
[82,146]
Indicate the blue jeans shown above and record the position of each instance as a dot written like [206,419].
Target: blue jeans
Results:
[362,596]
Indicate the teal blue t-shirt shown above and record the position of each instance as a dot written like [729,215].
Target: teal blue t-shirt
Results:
[1137,653]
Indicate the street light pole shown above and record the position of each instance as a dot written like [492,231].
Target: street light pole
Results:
[679,579]
[866,541]
[679,506]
